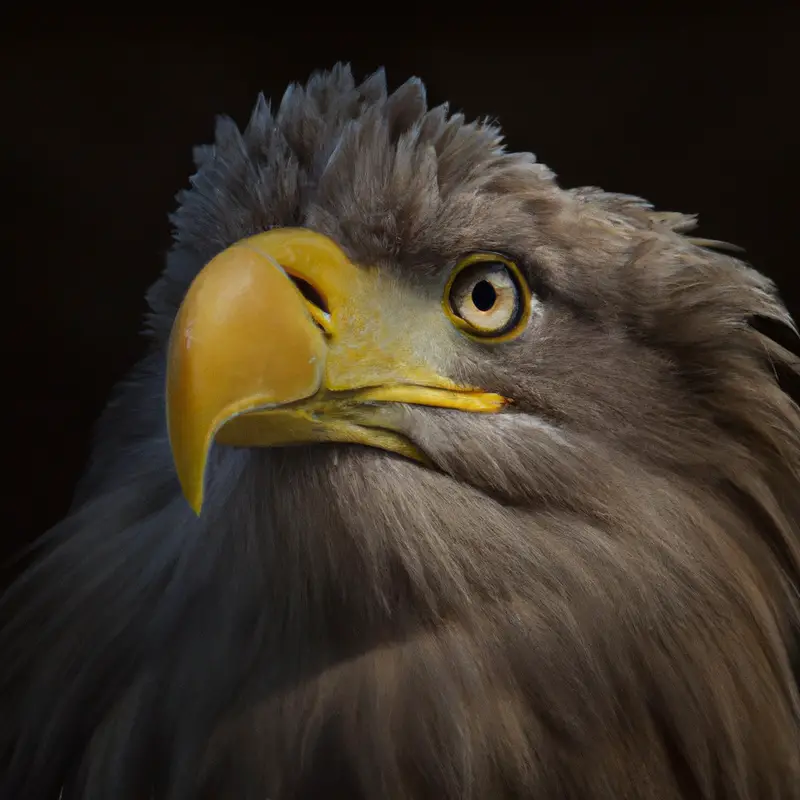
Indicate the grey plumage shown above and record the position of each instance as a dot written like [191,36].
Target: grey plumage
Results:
[590,595]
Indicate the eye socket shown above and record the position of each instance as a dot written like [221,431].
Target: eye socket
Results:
[487,297]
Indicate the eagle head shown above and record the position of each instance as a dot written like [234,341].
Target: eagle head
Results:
[438,481]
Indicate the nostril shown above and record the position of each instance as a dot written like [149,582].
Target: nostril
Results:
[310,293]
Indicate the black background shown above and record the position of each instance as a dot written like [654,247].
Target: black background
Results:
[693,110]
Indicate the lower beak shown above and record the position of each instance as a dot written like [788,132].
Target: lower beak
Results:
[282,340]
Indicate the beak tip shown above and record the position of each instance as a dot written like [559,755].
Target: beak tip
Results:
[193,498]
[194,493]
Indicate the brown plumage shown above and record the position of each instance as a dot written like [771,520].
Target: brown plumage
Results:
[591,594]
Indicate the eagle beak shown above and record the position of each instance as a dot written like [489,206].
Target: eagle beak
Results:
[282,340]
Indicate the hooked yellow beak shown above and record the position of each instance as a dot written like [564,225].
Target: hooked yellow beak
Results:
[282,340]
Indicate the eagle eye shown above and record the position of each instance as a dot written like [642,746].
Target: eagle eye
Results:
[487,297]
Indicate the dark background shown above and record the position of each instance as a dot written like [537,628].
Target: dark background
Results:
[693,110]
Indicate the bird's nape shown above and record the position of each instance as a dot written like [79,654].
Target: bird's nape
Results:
[501,495]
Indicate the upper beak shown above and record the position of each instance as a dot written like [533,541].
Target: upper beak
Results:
[281,340]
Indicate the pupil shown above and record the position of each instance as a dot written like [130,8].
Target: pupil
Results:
[484,295]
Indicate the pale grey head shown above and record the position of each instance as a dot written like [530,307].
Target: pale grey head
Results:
[590,592]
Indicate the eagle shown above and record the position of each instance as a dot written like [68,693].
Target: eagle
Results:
[438,480]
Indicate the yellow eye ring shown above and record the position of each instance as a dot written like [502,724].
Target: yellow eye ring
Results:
[487,298]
